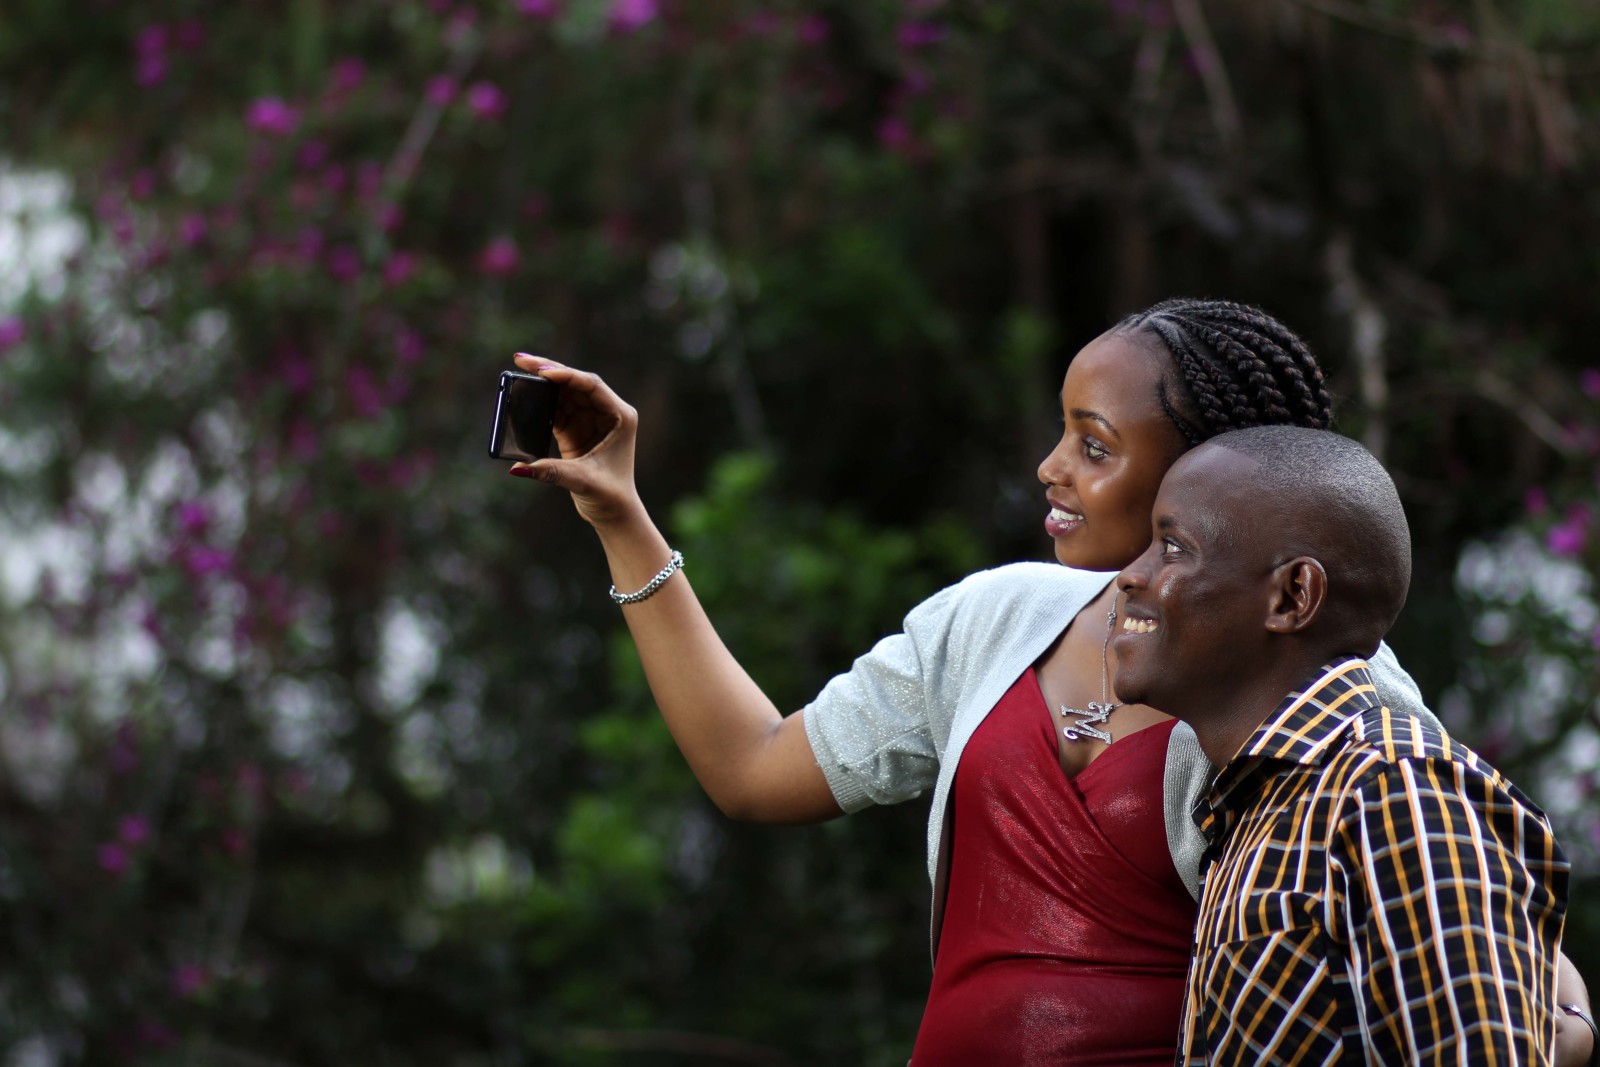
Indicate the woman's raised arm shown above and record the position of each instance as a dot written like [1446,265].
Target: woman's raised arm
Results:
[754,762]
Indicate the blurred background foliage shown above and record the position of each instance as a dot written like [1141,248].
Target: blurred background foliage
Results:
[321,742]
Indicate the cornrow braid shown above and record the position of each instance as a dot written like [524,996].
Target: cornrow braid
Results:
[1240,367]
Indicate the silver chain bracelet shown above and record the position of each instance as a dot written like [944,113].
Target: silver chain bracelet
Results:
[653,584]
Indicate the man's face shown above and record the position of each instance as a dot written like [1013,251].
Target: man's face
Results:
[1196,601]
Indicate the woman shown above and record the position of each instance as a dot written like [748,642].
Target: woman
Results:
[1064,906]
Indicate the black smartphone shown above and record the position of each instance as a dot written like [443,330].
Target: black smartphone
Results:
[524,411]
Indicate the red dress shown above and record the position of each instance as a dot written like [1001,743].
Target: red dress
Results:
[1066,930]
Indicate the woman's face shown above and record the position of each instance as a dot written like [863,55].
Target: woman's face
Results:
[1102,478]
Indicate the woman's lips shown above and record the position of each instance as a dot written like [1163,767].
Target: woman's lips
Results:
[1060,521]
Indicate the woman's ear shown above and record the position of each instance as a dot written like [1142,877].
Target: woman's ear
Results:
[1299,590]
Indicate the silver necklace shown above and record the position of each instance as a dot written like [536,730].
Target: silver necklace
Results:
[1099,710]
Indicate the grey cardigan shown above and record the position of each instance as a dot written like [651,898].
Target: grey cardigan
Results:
[898,720]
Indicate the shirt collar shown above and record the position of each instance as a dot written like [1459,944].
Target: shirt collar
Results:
[1301,731]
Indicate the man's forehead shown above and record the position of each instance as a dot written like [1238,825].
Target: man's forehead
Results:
[1212,470]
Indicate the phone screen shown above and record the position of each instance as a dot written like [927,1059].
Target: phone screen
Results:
[524,413]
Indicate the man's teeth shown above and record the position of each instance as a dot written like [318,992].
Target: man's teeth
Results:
[1064,516]
[1137,626]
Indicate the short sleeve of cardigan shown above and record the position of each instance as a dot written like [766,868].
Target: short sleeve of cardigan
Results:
[869,728]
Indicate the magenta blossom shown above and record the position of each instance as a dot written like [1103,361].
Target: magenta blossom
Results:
[914,35]
[271,115]
[499,257]
[1589,382]
[194,517]
[363,392]
[189,979]
[304,444]
[539,9]
[233,841]
[13,332]
[202,560]
[343,263]
[347,74]
[408,347]
[149,71]
[399,269]
[441,89]
[1567,538]
[894,132]
[190,35]
[192,229]
[813,29]
[631,16]
[133,830]
[112,857]
[486,100]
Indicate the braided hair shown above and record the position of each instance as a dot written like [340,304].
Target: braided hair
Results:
[1239,367]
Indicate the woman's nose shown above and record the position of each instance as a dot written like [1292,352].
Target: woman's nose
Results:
[1052,471]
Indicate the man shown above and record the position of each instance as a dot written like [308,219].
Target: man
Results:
[1375,892]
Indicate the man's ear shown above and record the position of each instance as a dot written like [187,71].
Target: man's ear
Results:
[1299,590]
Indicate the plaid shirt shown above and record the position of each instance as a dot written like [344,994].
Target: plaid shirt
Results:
[1377,893]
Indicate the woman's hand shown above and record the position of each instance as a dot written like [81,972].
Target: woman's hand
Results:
[595,431]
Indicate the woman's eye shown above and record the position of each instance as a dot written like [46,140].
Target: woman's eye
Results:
[1093,450]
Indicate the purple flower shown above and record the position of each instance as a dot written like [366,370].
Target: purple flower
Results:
[150,71]
[1589,382]
[347,74]
[312,154]
[192,229]
[13,332]
[631,16]
[400,268]
[1566,538]
[271,115]
[233,841]
[151,41]
[914,35]
[201,560]
[304,443]
[296,372]
[194,517]
[408,347]
[190,35]
[112,857]
[763,23]
[363,392]
[539,9]
[189,979]
[486,100]
[441,89]
[813,29]
[499,257]
[343,263]
[133,830]
[894,132]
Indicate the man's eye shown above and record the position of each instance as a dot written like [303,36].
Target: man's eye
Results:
[1169,547]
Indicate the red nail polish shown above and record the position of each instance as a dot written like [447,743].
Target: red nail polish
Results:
[522,472]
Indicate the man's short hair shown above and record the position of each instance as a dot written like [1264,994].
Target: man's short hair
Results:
[1333,501]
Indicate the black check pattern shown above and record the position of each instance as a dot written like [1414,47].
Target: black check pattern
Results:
[1376,893]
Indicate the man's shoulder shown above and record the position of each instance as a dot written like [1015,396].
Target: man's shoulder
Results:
[1396,747]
